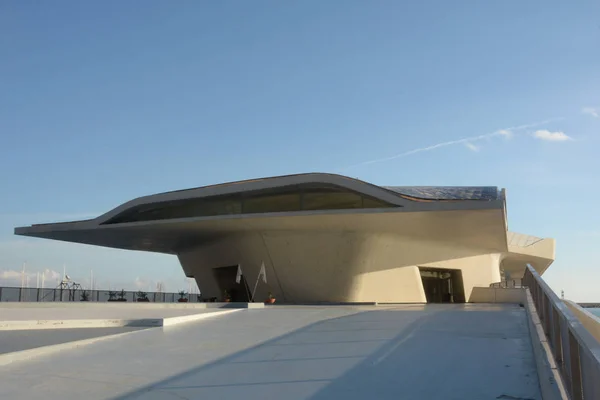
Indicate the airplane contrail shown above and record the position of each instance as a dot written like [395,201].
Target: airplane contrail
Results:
[499,132]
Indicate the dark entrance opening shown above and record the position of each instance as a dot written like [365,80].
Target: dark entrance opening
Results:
[225,277]
[443,285]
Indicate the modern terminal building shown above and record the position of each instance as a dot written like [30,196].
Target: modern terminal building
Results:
[323,238]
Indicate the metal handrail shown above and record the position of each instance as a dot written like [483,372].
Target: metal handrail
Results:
[576,352]
[508,284]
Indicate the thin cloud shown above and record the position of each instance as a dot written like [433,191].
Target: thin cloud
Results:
[594,112]
[506,132]
[472,147]
[16,278]
[546,135]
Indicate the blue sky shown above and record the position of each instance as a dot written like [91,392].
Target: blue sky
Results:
[103,102]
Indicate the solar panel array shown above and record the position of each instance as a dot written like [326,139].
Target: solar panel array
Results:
[486,193]
[521,240]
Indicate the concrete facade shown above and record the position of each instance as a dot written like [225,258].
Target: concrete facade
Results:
[346,254]
[351,267]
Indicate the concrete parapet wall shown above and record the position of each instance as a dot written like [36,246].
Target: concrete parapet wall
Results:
[37,324]
[551,384]
[497,295]
[587,319]
[79,323]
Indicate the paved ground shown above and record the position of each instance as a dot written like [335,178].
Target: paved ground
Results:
[29,339]
[95,312]
[405,352]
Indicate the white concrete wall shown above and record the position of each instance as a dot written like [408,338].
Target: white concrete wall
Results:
[398,285]
[337,266]
[497,295]
[590,321]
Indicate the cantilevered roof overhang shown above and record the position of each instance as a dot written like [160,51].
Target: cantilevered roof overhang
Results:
[469,216]
[526,249]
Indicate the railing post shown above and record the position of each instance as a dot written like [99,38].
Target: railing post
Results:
[20,294]
[590,372]
[543,307]
[576,389]
[548,317]
[0,293]
[566,353]
[556,342]
[538,302]
[550,325]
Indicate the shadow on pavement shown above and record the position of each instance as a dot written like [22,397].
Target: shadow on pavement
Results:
[439,353]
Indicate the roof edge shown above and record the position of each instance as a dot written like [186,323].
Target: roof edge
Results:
[365,188]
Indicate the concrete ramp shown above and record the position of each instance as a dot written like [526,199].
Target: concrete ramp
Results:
[305,352]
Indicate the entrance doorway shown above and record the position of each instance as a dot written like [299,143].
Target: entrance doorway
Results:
[443,285]
[225,277]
